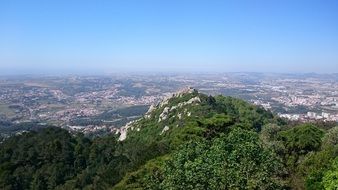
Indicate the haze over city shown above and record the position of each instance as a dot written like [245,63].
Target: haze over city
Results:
[98,37]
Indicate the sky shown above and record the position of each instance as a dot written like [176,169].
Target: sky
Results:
[97,36]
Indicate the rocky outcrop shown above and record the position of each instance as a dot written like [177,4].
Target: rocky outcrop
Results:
[166,128]
[164,114]
[166,110]
[150,110]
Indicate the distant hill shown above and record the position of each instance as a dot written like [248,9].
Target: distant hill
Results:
[188,141]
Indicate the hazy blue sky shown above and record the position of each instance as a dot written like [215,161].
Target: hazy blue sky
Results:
[69,36]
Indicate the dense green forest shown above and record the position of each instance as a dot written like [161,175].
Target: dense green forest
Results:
[190,141]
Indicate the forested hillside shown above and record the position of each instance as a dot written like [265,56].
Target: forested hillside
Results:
[188,141]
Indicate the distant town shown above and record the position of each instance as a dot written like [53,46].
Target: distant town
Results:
[104,103]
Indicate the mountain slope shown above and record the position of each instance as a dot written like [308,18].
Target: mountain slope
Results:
[185,116]
[190,109]
[187,141]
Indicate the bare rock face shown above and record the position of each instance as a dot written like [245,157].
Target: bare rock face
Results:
[123,133]
[124,130]
[150,110]
[166,128]
[165,112]
[192,100]
[187,90]
[164,102]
